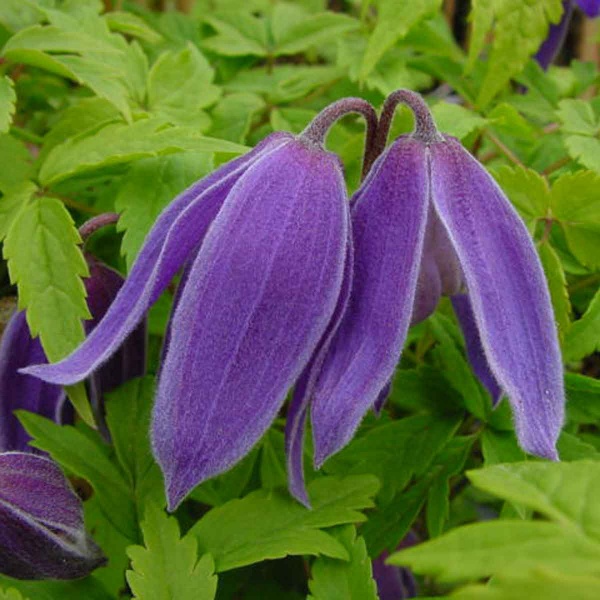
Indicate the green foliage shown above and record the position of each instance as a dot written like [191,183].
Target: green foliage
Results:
[167,567]
[344,580]
[7,103]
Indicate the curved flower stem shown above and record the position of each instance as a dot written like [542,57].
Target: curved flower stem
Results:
[92,225]
[425,128]
[317,129]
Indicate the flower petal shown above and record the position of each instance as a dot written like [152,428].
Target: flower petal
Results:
[388,223]
[177,232]
[295,426]
[507,290]
[590,7]
[259,297]
[475,354]
[17,391]
[42,534]
[554,41]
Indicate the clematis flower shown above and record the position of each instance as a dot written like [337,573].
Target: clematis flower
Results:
[429,220]
[265,238]
[395,583]
[558,31]
[18,349]
[42,535]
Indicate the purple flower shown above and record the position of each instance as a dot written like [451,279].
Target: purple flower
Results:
[395,583]
[18,349]
[558,32]
[42,535]
[265,241]
[429,220]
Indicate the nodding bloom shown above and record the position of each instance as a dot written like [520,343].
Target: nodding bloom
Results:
[429,220]
[42,535]
[265,242]
[558,32]
[18,349]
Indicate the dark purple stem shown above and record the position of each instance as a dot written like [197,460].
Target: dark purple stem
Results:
[95,223]
[317,129]
[425,128]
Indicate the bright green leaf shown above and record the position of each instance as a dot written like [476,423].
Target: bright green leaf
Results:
[8,97]
[456,120]
[238,34]
[233,116]
[12,202]
[583,338]
[167,567]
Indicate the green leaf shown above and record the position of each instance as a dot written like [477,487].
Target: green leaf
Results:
[395,19]
[269,524]
[557,284]
[180,86]
[344,580]
[11,594]
[456,120]
[395,452]
[45,262]
[540,584]
[16,154]
[583,338]
[89,588]
[148,187]
[576,204]
[500,447]
[294,31]
[12,202]
[527,190]
[581,125]
[167,567]
[238,34]
[118,144]
[8,97]
[86,455]
[583,398]
[519,29]
[233,116]
[130,24]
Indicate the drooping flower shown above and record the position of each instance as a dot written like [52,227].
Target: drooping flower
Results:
[265,239]
[426,186]
[558,32]
[42,535]
[18,349]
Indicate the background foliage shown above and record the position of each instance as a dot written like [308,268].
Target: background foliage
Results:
[119,106]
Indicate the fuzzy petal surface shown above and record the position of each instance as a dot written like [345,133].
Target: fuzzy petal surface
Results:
[388,222]
[557,33]
[466,319]
[508,293]
[258,299]
[176,234]
[42,534]
[295,426]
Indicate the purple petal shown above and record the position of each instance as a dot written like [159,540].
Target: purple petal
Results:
[507,290]
[590,7]
[42,534]
[177,232]
[556,37]
[393,583]
[18,349]
[388,224]
[296,418]
[382,398]
[259,297]
[475,354]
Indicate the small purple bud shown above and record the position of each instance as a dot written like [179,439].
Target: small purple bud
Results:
[42,533]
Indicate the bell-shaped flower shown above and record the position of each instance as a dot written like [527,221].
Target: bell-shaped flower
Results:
[42,535]
[18,349]
[265,239]
[429,216]
[557,33]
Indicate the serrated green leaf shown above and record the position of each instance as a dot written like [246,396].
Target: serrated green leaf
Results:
[238,34]
[12,202]
[344,580]
[15,153]
[527,190]
[118,144]
[583,337]
[395,452]
[86,455]
[8,97]
[180,86]
[395,19]
[45,262]
[581,125]
[167,566]
[557,285]
[130,24]
[456,120]
[233,116]
[575,203]
[148,187]
[269,524]
[540,584]
[519,29]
